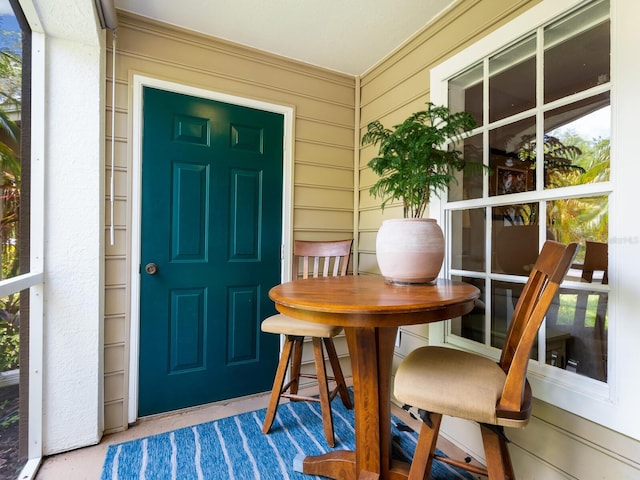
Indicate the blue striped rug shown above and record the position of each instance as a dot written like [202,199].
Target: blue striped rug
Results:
[235,448]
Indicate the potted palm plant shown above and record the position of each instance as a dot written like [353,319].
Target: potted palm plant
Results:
[416,159]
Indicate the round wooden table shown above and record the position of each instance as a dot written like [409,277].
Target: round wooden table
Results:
[370,311]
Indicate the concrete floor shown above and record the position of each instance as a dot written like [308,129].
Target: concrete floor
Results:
[86,463]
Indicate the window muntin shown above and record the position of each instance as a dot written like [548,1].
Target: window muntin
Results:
[549,158]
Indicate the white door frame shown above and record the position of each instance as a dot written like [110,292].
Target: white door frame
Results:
[138,83]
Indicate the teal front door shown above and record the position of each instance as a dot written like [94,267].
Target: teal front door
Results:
[210,250]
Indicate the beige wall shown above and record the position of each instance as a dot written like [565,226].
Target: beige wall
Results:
[556,443]
[324,106]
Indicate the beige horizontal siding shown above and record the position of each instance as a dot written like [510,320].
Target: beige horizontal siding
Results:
[557,441]
[330,198]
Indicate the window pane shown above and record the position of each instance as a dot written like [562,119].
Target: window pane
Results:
[472,325]
[465,93]
[512,80]
[560,351]
[581,314]
[515,243]
[576,53]
[504,296]
[511,171]
[578,323]
[467,239]
[468,181]
[577,142]
[579,220]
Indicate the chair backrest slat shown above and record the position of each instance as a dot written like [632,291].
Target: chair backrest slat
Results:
[317,258]
[538,293]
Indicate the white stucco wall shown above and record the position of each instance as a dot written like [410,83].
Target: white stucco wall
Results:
[74,235]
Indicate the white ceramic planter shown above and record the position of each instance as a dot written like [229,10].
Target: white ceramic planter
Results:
[410,250]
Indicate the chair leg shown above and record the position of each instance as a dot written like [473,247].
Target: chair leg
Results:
[425,449]
[276,390]
[341,385]
[497,453]
[323,387]
[296,362]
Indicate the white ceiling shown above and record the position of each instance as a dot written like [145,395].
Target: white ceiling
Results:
[348,36]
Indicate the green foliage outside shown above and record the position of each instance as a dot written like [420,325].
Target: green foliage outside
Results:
[9,333]
[10,103]
[570,160]
[582,218]
[577,219]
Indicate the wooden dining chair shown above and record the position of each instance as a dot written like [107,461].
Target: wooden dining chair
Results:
[443,381]
[325,259]
[596,259]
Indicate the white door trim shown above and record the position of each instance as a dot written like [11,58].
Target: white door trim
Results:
[138,83]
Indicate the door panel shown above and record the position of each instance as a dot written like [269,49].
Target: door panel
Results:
[211,223]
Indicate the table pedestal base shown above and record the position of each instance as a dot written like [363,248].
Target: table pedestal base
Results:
[341,464]
[371,351]
[336,464]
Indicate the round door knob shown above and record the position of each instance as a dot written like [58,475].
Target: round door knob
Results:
[151,268]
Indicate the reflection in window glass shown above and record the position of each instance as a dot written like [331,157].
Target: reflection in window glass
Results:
[511,172]
[576,327]
[512,80]
[577,139]
[577,323]
[579,220]
[504,297]
[576,53]
[580,315]
[465,93]
[471,325]
[467,239]
[468,182]
[514,238]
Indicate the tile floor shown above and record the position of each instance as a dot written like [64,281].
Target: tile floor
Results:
[86,463]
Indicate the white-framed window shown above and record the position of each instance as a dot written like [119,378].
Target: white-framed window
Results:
[542,91]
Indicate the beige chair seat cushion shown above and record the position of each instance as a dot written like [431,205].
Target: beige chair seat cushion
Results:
[452,382]
[292,326]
